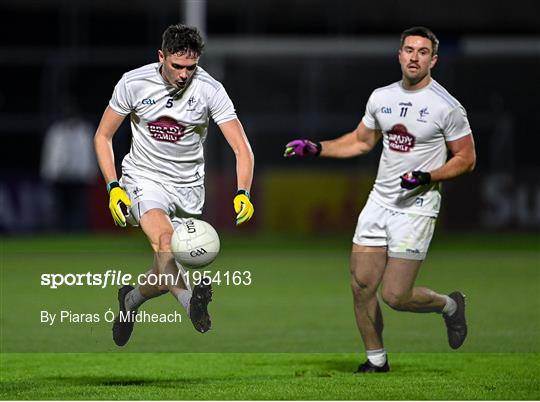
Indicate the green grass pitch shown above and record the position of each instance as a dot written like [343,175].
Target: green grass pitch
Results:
[289,335]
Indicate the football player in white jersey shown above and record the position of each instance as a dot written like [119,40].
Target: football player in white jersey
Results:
[418,121]
[169,103]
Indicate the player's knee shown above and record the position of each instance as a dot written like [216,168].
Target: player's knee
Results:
[395,300]
[164,244]
[162,289]
[360,285]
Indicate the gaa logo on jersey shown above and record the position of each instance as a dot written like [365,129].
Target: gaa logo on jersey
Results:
[399,139]
[166,129]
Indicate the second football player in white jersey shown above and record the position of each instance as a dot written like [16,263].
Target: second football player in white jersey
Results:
[418,121]
[169,104]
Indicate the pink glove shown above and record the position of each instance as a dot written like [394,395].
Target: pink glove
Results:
[302,148]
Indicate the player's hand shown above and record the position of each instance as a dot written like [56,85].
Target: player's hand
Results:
[302,148]
[117,195]
[414,179]
[243,207]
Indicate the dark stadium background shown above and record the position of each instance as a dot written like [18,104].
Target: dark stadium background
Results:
[293,69]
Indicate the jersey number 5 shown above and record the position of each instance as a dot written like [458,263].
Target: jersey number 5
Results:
[169,103]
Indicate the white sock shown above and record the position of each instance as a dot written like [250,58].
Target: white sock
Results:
[184,274]
[134,299]
[184,298]
[450,307]
[377,357]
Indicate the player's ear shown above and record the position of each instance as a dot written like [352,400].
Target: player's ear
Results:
[161,56]
[434,61]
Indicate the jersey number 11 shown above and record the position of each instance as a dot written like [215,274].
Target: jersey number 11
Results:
[403,112]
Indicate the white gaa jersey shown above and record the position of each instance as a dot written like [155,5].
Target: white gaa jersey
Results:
[415,127]
[169,126]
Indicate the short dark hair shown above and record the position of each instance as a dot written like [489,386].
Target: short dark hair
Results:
[182,39]
[423,32]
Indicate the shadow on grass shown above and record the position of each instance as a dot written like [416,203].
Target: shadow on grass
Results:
[349,366]
[124,381]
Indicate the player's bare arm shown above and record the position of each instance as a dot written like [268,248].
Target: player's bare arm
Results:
[463,159]
[236,137]
[358,142]
[110,121]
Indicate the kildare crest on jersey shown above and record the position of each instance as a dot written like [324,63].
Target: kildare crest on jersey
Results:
[166,129]
[399,139]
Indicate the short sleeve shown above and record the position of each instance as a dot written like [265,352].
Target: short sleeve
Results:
[221,107]
[120,101]
[369,117]
[456,124]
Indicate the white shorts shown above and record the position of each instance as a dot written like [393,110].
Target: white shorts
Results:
[145,194]
[406,235]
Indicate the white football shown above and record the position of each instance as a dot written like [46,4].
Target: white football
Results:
[195,243]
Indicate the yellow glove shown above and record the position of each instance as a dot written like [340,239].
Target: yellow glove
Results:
[243,207]
[117,195]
